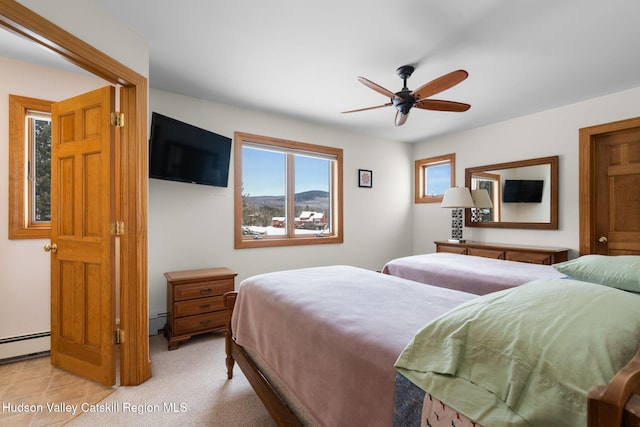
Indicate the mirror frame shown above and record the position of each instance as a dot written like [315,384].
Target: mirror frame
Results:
[552,161]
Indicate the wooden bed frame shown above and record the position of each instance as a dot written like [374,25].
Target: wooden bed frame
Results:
[614,405]
[275,405]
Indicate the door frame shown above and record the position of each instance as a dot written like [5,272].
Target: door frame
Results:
[587,148]
[131,173]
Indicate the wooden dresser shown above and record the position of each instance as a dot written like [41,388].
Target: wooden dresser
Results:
[194,302]
[531,254]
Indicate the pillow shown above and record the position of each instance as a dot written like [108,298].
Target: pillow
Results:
[621,272]
[526,356]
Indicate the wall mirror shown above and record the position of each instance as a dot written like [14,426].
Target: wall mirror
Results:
[522,194]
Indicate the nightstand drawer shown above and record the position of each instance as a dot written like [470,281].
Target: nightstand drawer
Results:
[201,322]
[197,306]
[202,289]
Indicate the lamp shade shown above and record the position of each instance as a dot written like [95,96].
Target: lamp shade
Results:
[481,199]
[457,197]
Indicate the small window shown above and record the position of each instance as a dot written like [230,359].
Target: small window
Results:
[433,176]
[29,168]
[287,192]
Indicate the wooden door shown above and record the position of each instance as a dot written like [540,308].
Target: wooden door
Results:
[612,153]
[82,246]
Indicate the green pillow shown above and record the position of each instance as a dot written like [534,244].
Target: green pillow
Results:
[526,356]
[621,272]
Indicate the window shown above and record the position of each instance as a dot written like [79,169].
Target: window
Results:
[29,168]
[433,176]
[286,192]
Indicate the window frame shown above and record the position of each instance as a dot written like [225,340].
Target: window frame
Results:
[421,165]
[21,222]
[291,239]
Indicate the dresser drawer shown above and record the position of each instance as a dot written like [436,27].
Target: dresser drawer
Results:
[200,322]
[531,257]
[197,306]
[452,249]
[487,253]
[201,289]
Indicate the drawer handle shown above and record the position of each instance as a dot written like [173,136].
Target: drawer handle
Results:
[205,291]
[205,306]
[205,322]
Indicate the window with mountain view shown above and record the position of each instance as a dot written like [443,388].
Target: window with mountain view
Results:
[287,192]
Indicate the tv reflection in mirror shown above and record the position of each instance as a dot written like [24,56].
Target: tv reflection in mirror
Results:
[182,152]
[522,191]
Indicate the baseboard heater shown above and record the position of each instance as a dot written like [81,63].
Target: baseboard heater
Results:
[25,346]
[156,323]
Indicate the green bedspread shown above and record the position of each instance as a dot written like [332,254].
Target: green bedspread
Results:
[527,355]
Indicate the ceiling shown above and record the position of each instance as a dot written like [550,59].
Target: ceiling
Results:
[301,59]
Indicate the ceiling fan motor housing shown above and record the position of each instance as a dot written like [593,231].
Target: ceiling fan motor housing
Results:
[403,101]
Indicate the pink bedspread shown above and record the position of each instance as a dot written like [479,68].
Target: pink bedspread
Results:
[473,274]
[333,334]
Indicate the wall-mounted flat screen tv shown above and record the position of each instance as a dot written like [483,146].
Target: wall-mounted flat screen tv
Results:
[182,152]
[522,191]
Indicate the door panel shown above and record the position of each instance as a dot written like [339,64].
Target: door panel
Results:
[82,209]
[617,195]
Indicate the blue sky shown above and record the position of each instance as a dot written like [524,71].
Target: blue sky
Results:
[437,179]
[263,173]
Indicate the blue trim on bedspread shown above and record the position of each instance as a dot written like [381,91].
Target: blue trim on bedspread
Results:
[407,406]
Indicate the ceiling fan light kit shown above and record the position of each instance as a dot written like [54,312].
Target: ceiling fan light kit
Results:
[405,99]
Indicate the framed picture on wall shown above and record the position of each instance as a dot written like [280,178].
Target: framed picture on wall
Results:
[365,178]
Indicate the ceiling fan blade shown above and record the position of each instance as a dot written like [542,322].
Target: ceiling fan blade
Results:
[441,83]
[436,104]
[376,87]
[368,108]
[401,118]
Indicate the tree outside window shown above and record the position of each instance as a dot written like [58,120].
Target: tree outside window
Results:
[39,166]
[29,168]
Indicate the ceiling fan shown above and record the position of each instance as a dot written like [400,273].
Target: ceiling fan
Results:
[407,99]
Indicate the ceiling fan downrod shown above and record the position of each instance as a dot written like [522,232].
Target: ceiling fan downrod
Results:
[403,101]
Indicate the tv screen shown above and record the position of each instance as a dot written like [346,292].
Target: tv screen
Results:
[182,152]
[522,191]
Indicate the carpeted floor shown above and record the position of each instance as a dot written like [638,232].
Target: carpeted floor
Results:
[189,387]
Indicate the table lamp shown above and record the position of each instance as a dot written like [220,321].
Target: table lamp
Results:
[457,198]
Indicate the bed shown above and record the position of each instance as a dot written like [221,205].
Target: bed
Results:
[474,274]
[284,327]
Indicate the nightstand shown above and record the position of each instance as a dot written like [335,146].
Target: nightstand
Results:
[194,302]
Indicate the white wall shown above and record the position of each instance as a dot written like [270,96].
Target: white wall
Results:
[24,266]
[191,226]
[548,133]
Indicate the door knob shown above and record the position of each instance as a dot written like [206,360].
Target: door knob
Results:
[53,248]
[603,239]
